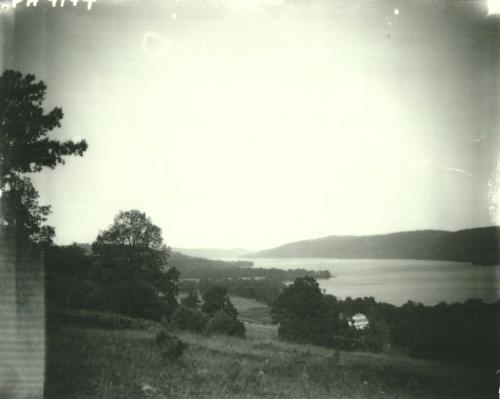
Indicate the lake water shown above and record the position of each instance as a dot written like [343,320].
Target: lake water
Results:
[398,280]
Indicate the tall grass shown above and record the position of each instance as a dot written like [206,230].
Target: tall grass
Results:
[96,363]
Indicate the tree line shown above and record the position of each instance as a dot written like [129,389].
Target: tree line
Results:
[461,333]
[264,290]
[127,273]
[201,268]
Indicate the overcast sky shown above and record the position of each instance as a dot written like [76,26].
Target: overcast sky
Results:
[252,123]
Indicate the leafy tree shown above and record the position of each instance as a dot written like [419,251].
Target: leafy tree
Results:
[215,299]
[67,276]
[134,230]
[223,314]
[304,314]
[21,213]
[26,148]
[131,264]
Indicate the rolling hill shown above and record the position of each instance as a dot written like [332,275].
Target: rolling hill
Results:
[124,362]
[213,253]
[478,245]
[190,266]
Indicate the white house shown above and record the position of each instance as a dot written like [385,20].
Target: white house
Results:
[359,321]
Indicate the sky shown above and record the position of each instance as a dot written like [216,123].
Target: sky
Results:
[252,123]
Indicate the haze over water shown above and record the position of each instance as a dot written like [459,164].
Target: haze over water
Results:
[397,281]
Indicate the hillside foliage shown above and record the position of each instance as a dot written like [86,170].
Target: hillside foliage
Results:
[462,333]
[479,246]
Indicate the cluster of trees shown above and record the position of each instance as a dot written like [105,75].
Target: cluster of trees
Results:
[126,272]
[215,315]
[263,285]
[465,333]
[263,290]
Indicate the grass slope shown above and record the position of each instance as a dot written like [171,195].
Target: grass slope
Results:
[102,363]
[92,363]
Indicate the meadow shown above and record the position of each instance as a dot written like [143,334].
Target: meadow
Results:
[126,363]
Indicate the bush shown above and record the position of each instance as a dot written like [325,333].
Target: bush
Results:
[366,344]
[187,318]
[171,347]
[162,337]
[191,301]
[222,323]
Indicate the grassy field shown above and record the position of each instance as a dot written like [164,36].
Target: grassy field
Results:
[251,310]
[106,363]
[248,309]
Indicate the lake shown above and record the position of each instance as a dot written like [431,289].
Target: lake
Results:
[398,280]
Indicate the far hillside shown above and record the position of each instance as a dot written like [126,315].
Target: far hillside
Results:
[197,267]
[479,246]
[213,253]
[191,267]
[201,268]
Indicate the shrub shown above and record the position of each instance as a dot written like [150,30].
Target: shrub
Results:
[171,347]
[223,323]
[191,301]
[187,318]
[363,343]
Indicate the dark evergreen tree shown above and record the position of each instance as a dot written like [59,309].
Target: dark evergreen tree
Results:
[26,148]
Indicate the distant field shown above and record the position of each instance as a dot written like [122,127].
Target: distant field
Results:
[251,310]
[96,363]
[248,309]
